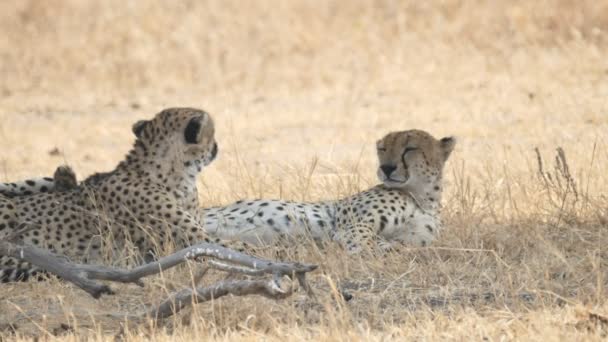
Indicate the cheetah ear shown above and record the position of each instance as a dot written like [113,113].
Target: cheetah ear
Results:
[192,130]
[138,127]
[447,146]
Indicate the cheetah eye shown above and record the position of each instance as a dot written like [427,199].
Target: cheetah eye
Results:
[381,149]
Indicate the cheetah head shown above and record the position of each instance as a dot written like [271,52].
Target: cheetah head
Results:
[412,159]
[182,135]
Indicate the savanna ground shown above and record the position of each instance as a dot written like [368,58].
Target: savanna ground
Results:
[300,91]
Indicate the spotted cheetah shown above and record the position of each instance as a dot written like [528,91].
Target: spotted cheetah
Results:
[404,209]
[64,179]
[148,199]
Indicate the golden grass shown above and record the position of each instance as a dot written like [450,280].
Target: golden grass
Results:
[300,91]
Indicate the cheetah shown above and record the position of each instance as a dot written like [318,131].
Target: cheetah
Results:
[403,210]
[64,179]
[150,198]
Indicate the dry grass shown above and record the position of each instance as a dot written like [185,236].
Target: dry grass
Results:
[300,90]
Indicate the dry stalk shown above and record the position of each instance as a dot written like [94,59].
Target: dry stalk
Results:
[560,186]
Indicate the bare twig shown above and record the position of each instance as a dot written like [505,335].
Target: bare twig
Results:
[234,269]
[183,298]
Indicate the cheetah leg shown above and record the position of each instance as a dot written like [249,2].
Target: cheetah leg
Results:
[357,237]
[387,246]
[361,237]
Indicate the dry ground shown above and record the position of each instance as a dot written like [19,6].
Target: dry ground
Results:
[300,91]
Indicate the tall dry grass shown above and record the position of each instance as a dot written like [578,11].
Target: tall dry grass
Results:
[300,91]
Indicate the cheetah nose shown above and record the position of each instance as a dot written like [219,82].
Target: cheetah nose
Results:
[388,169]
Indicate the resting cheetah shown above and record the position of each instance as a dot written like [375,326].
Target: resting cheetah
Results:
[405,208]
[147,199]
[64,179]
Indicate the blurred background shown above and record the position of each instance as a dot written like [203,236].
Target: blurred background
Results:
[301,90]
[288,81]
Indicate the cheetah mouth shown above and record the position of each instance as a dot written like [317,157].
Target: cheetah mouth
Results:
[395,181]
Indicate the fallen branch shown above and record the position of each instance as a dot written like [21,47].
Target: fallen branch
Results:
[54,264]
[84,276]
[183,298]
